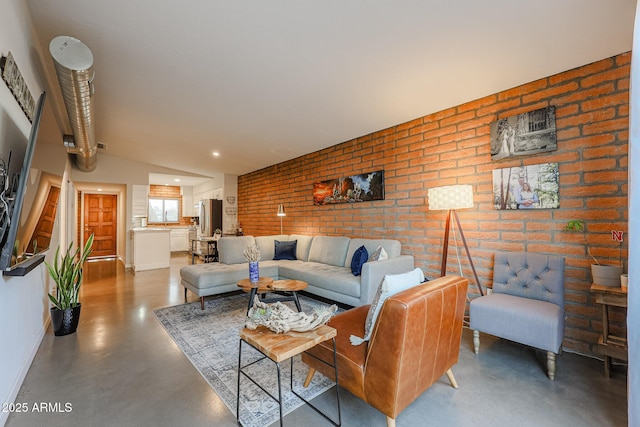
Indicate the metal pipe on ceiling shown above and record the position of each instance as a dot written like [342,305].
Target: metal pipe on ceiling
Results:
[73,61]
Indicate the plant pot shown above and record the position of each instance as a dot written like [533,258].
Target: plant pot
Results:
[624,281]
[65,322]
[606,275]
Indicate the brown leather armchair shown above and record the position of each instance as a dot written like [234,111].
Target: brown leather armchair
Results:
[415,340]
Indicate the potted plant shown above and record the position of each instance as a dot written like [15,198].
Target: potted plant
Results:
[603,274]
[67,273]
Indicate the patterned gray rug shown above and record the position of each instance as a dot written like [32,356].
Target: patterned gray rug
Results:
[210,337]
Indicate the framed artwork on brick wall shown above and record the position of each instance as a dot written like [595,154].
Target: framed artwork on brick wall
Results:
[523,134]
[527,187]
[351,189]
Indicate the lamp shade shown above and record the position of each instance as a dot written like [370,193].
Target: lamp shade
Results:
[450,197]
[281,211]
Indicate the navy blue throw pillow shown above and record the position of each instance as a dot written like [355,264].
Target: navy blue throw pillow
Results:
[360,256]
[285,250]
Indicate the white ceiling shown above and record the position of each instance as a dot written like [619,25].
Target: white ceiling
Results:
[266,81]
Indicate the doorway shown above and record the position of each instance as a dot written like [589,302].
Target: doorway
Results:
[100,218]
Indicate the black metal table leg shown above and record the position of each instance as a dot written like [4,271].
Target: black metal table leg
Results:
[238,390]
[335,367]
[295,299]
[279,392]
[252,295]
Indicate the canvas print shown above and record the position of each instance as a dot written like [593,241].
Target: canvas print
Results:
[351,189]
[523,134]
[527,187]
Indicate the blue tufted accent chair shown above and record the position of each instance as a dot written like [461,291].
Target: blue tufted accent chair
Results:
[526,305]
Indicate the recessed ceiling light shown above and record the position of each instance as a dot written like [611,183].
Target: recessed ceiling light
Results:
[177,180]
[99,189]
[216,154]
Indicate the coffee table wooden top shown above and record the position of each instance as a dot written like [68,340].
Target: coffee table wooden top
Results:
[279,347]
[262,283]
[270,285]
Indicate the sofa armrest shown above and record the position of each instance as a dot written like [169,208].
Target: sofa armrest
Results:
[373,273]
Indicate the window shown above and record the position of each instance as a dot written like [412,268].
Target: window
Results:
[163,210]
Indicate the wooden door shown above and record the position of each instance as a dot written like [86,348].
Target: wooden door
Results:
[44,227]
[100,219]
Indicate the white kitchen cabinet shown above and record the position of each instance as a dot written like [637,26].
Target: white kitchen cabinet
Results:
[139,205]
[151,248]
[179,239]
[187,202]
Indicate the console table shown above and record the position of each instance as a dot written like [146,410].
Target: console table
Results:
[208,255]
[610,345]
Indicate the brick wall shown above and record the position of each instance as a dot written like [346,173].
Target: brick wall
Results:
[453,147]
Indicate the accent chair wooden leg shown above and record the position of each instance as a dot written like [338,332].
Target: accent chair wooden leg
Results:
[551,365]
[307,380]
[201,303]
[452,379]
[391,422]
[185,295]
[476,341]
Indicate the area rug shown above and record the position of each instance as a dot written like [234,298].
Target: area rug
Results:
[210,337]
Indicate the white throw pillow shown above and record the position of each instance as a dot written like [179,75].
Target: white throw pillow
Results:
[378,255]
[391,284]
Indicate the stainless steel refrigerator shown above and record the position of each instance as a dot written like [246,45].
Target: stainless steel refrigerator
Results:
[210,216]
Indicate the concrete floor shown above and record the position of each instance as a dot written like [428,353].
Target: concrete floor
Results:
[122,369]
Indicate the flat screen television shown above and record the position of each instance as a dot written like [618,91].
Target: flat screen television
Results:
[25,204]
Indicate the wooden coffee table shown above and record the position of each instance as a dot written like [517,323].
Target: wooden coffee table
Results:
[287,290]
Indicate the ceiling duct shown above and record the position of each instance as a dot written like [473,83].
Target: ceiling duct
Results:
[74,66]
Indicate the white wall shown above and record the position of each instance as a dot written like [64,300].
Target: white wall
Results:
[633,312]
[23,300]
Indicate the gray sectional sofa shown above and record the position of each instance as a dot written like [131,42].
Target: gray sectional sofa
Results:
[322,261]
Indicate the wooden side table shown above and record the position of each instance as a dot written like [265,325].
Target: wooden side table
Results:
[610,345]
[280,347]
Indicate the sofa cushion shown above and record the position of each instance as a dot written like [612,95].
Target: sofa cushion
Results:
[231,249]
[539,324]
[303,246]
[323,276]
[392,247]
[330,250]
[215,274]
[266,244]
[285,250]
[390,285]
[360,256]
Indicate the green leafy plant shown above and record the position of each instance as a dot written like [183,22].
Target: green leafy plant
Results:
[578,226]
[67,273]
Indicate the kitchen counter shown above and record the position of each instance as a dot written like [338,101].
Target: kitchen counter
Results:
[151,248]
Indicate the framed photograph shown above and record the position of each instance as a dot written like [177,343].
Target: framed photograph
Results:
[527,187]
[524,134]
[351,189]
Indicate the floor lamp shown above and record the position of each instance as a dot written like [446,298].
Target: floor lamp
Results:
[451,198]
[281,213]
